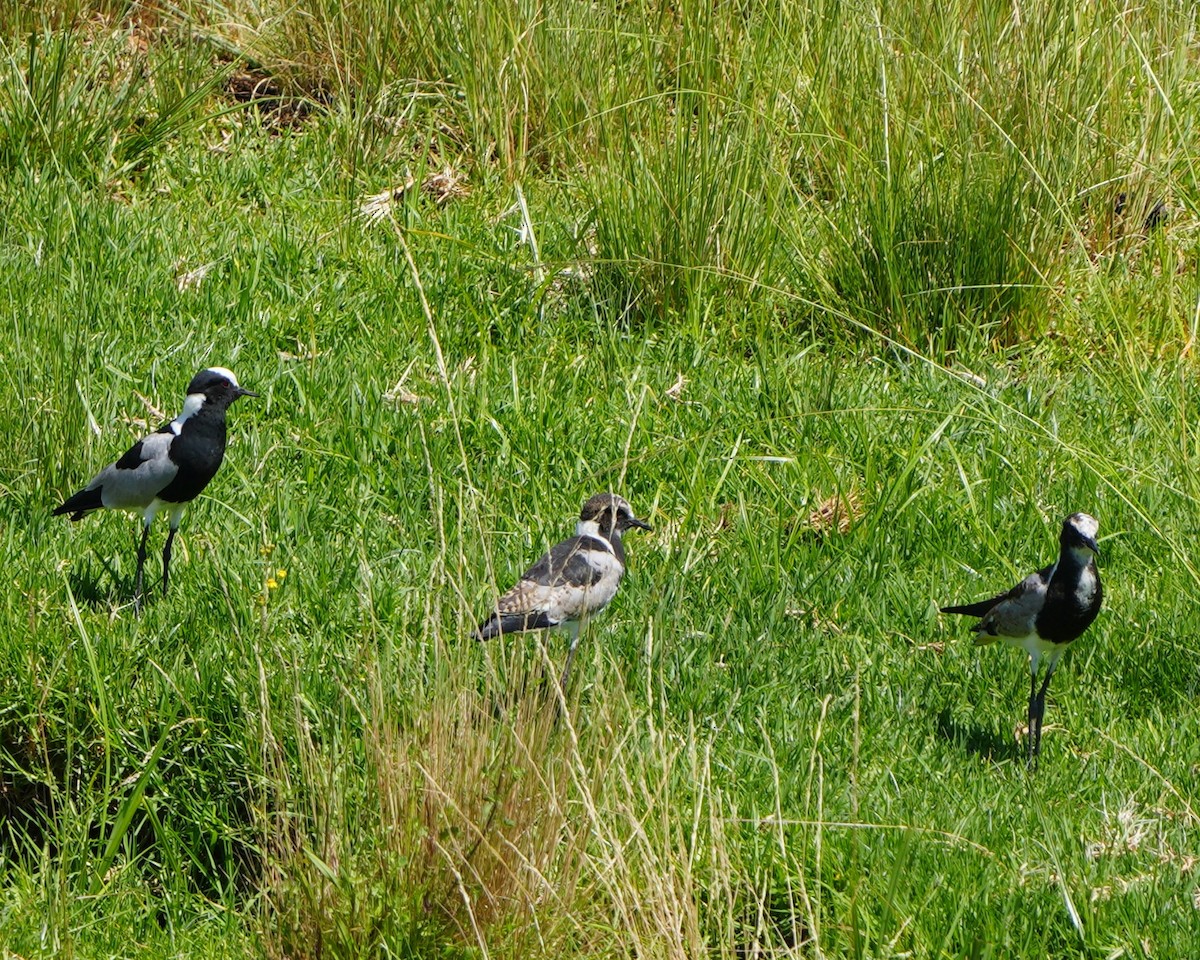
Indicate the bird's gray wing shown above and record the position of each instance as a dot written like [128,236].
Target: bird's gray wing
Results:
[981,608]
[139,476]
[1015,616]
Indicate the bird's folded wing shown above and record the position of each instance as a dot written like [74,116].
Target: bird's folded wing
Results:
[567,564]
[143,471]
[981,607]
[557,602]
[1015,615]
[531,606]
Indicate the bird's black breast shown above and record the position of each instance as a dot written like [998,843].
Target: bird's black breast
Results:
[198,452]
[1067,611]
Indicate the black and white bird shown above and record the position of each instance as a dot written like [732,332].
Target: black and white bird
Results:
[167,469]
[571,583]
[1044,612]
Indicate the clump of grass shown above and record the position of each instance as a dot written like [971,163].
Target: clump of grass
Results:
[99,103]
[463,831]
[19,19]
[919,261]
[494,821]
[509,81]
[686,189]
[688,214]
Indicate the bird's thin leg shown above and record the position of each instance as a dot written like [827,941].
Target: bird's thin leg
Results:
[167,557]
[570,656]
[137,588]
[1041,707]
[1031,717]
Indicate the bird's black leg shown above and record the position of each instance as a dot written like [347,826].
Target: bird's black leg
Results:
[575,629]
[561,701]
[137,588]
[567,669]
[1031,718]
[1041,710]
[167,558]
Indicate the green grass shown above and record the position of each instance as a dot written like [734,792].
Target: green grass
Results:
[721,292]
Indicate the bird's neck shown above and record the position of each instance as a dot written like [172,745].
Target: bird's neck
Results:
[1074,559]
[1075,591]
[191,407]
[590,528]
[201,417]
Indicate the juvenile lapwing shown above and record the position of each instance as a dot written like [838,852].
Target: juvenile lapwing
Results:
[168,468]
[571,583]
[1044,612]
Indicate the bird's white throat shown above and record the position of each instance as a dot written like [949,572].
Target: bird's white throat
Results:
[191,407]
[590,528]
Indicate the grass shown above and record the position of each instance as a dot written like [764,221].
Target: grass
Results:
[711,279]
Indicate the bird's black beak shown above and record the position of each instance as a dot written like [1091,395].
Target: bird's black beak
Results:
[640,524]
[243,392]
[1091,544]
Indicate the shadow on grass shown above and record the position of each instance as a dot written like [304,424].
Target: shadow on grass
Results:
[100,591]
[1163,682]
[978,741]
[26,799]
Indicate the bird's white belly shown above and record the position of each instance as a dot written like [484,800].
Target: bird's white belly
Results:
[580,602]
[1032,644]
[1037,648]
[129,497]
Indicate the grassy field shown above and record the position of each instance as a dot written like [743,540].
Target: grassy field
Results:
[728,260]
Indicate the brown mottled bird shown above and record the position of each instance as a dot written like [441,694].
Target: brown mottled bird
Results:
[571,583]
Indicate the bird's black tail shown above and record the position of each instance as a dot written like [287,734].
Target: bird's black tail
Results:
[85,501]
[491,627]
[971,609]
[498,624]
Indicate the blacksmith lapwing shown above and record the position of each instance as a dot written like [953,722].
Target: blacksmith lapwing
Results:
[169,468]
[1045,612]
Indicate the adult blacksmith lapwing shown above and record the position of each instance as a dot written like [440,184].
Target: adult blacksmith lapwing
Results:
[1044,612]
[571,583]
[168,468]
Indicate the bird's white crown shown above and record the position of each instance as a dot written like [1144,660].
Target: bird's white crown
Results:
[224,372]
[1085,524]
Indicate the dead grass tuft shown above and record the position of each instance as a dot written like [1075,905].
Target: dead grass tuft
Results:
[464,834]
[443,185]
[495,822]
[835,514]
